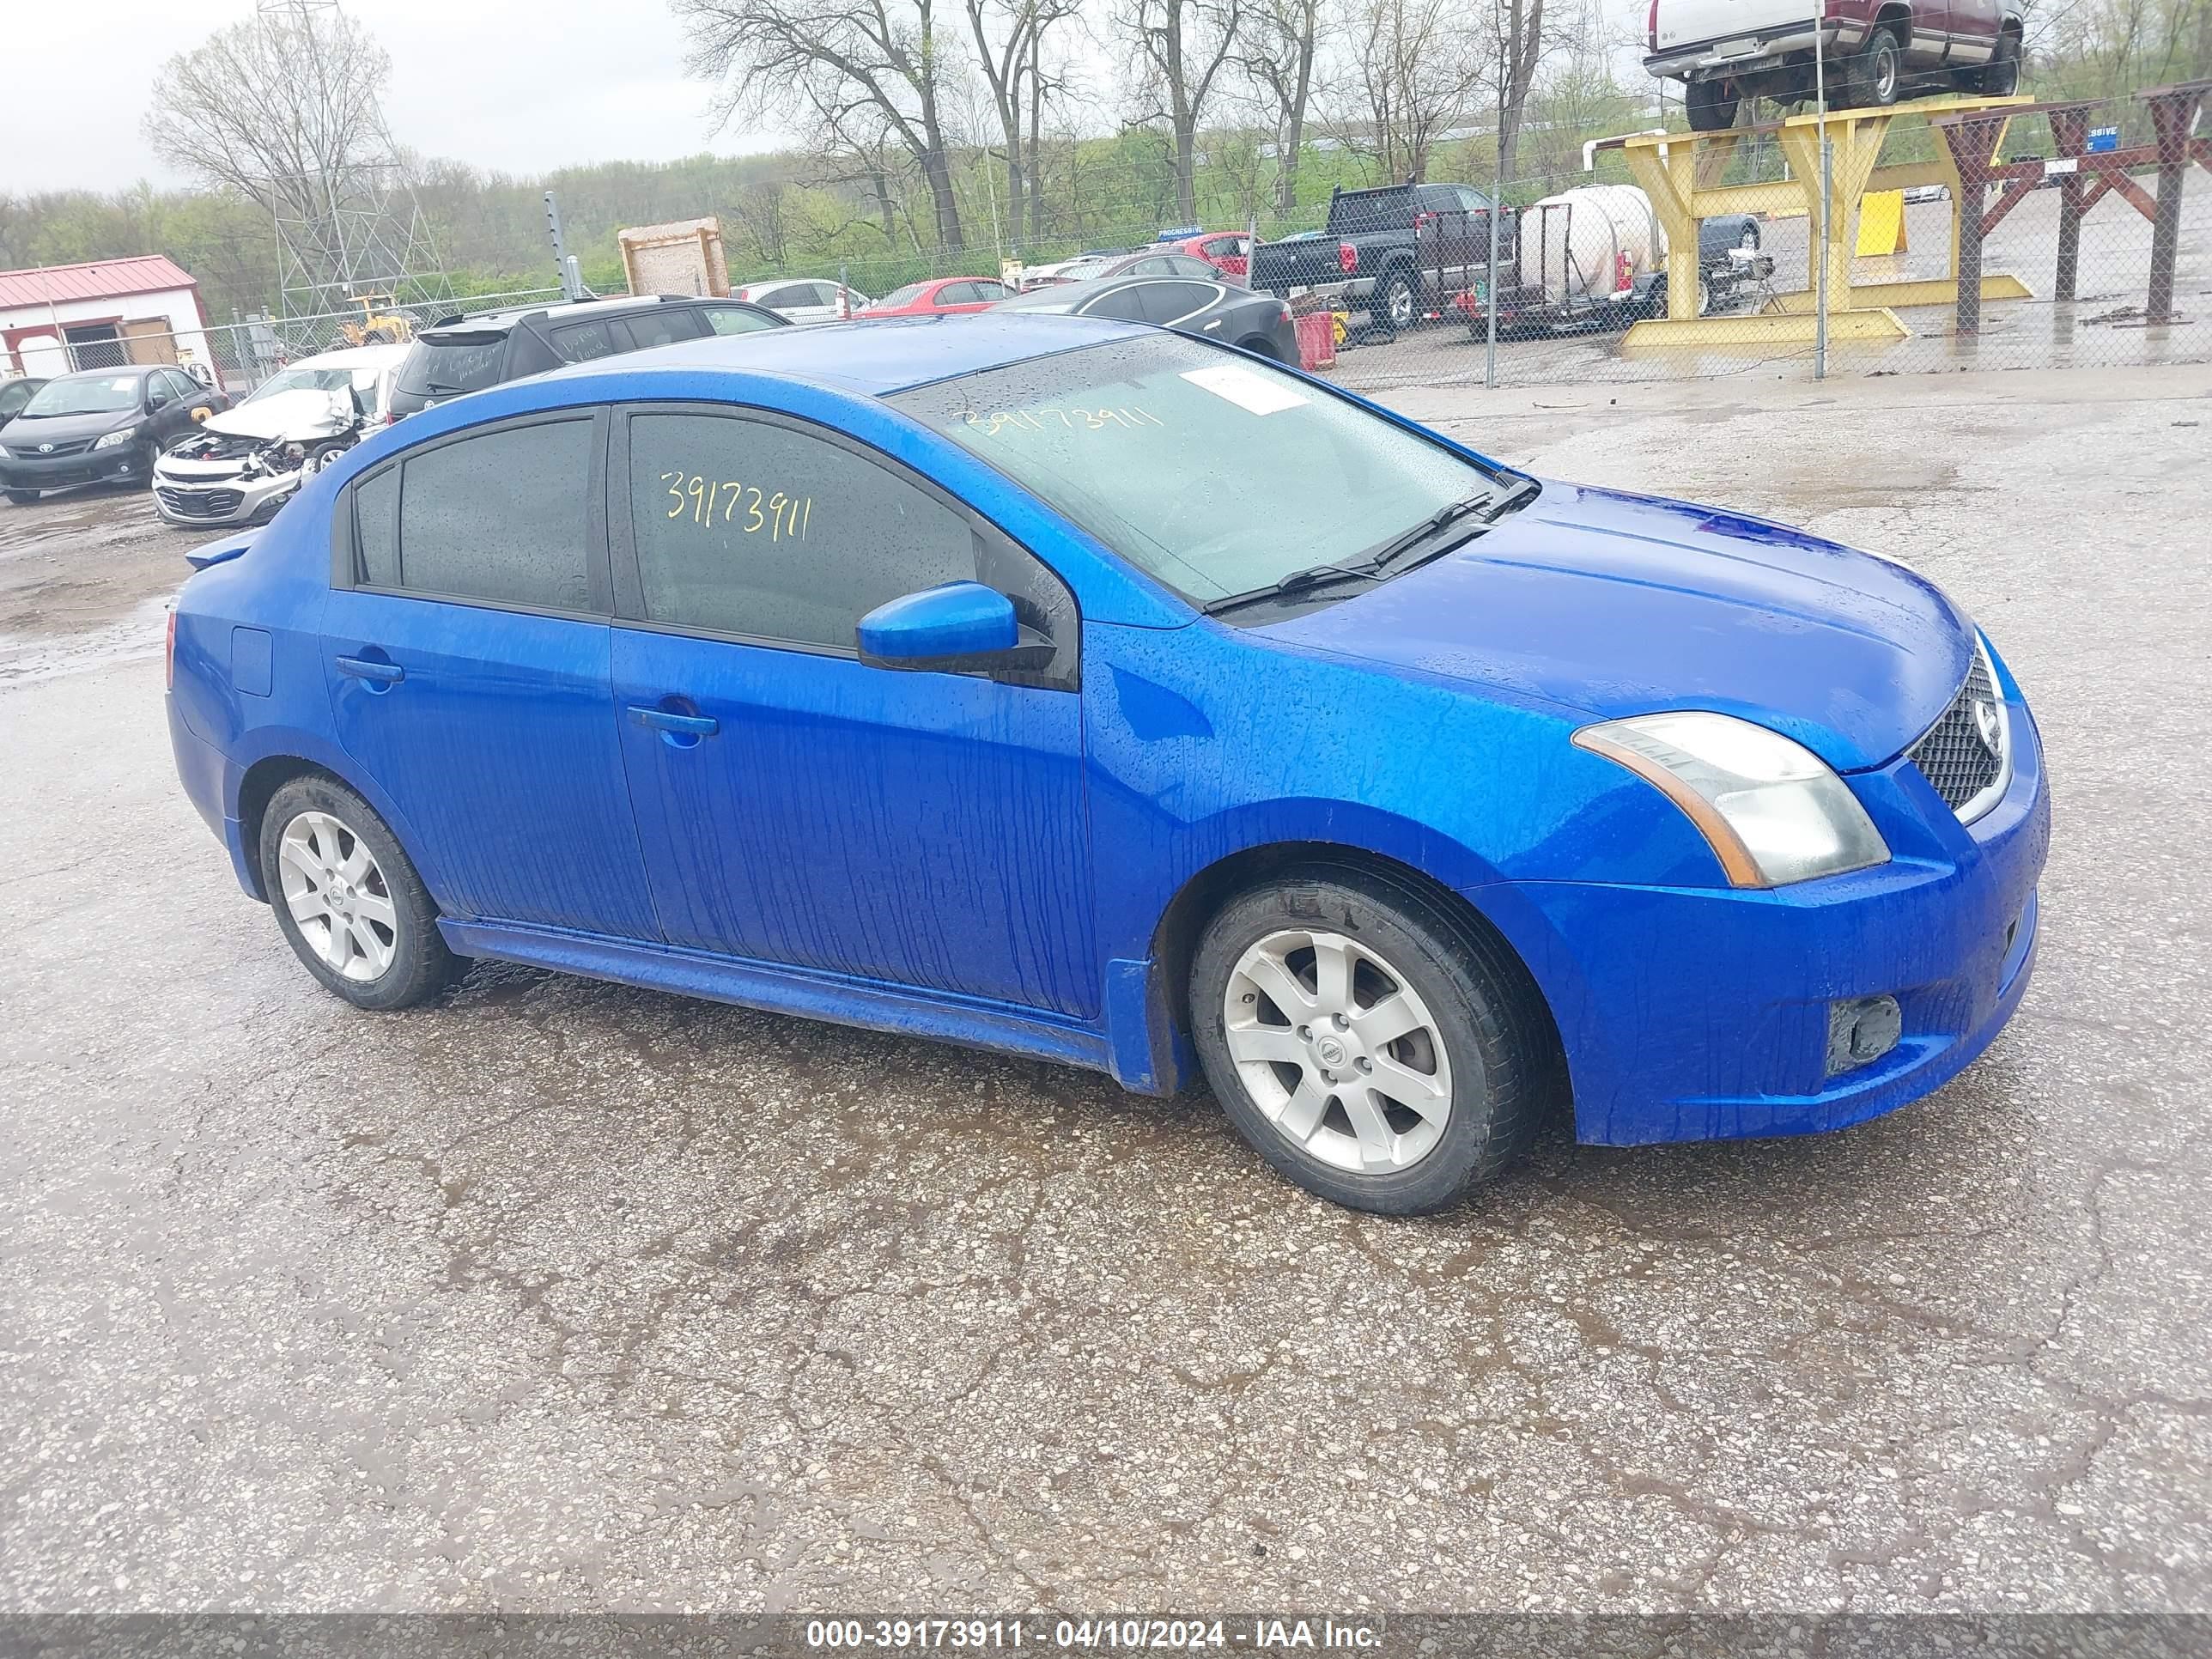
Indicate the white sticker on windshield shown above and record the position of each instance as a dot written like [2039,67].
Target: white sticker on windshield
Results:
[1247,391]
[128,383]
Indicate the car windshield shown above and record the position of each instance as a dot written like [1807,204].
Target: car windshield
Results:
[1216,474]
[310,379]
[85,394]
[899,296]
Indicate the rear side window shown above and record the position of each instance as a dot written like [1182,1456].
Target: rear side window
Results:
[580,343]
[752,528]
[504,516]
[376,527]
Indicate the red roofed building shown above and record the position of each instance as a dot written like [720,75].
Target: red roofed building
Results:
[101,314]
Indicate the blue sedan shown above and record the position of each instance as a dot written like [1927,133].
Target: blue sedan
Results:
[1083,691]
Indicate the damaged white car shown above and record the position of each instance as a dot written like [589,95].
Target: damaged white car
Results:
[241,465]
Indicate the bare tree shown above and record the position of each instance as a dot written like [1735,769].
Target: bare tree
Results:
[1009,37]
[1181,46]
[1415,69]
[857,64]
[1518,47]
[282,109]
[1283,45]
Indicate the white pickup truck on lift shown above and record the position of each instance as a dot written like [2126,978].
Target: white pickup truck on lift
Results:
[1725,52]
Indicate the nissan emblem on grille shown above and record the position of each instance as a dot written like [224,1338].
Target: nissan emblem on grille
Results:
[1963,753]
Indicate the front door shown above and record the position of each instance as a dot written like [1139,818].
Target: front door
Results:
[796,806]
[467,662]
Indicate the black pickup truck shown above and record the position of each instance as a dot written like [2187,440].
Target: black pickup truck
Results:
[1396,253]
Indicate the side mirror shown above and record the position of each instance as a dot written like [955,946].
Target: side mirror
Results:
[956,627]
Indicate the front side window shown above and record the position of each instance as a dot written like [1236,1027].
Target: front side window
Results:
[759,530]
[662,326]
[1126,304]
[732,319]
[1216,475]
[501,516]
[1171,302]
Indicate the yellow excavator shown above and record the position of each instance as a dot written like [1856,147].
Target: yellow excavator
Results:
[377,327]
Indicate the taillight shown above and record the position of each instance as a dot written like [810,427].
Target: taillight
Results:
[169,653]
[1651,26]
[1348,257]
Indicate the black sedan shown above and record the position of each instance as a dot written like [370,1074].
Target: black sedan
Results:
[1211,310]
[100,423]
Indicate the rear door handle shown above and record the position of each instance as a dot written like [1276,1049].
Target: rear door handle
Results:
[663,720]
[364,668]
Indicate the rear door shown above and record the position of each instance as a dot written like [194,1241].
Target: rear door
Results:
[1974,25]
[466,645]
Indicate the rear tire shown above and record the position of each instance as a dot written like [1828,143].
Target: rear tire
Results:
[1395,306]
[2000,76]
[22,498]
[1878,72]
[1710,106]
[1413,1067]
[347,898]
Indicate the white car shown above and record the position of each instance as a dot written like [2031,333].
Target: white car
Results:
[804,299]
[242,464]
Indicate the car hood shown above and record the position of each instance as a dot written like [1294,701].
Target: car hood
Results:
[301,414]
[1611,604]
[26,431]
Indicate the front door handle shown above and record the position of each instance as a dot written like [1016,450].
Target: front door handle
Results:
[366,668]
[664,719]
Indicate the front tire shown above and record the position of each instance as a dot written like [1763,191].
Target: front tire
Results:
[22,498]
[348,900]
[1378,1050]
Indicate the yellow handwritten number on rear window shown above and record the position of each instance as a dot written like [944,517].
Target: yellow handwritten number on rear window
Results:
[698,497]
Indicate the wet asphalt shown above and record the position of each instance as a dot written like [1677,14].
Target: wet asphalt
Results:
[565,1296]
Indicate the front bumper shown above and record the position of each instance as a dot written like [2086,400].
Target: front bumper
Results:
[1703,1014]
[216,494]
[126,462]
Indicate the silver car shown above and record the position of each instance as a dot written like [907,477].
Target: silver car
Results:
[241,465]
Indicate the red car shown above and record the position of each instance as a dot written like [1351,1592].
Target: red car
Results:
[1227,251]
[941,296]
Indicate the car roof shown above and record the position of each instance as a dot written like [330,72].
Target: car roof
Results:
[1065,295]
[873,358]
[474,320]
[120,370]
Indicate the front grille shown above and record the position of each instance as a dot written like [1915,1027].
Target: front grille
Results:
[1956,756]
[32,451]
[200,503]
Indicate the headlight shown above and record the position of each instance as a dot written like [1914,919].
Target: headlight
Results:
[128,436]
[1773,811]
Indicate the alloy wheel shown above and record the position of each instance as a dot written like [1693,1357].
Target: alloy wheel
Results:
[337,894]
[1338,1050]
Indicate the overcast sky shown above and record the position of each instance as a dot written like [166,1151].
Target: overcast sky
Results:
[503,84]
[508,85]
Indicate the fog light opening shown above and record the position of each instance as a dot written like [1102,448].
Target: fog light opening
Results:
[1861,1031]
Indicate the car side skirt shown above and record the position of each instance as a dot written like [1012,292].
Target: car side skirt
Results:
[839,999]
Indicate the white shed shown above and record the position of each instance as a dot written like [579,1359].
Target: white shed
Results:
[101,314]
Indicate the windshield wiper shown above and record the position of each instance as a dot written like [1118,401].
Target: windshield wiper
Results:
[1298,581]
[1443,519]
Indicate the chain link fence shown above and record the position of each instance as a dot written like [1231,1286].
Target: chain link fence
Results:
[237,356]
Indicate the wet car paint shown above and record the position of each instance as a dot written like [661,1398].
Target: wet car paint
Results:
[1185,765]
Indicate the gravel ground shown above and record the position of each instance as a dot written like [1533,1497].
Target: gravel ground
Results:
[566,1296]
